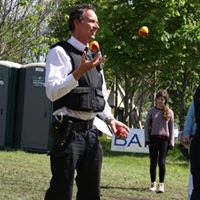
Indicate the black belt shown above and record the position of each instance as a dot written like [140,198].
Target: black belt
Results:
[79,124]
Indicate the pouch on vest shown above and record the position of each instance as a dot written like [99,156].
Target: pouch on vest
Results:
[88,99]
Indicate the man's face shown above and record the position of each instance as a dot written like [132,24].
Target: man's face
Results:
[86,29]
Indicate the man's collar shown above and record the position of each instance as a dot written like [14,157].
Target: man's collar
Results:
[76,43]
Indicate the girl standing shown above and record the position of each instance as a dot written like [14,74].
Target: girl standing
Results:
[159,136]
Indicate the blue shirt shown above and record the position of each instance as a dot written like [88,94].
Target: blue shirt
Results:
[190,124]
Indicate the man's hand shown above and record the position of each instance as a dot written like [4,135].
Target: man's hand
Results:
[185,141]
[115,124]
[86,65]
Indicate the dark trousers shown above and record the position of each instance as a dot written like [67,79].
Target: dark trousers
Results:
[83,153]
[195,166]
[158,149]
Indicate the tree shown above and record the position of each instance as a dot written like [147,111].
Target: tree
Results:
[167,59]
[22,29]
[173,44]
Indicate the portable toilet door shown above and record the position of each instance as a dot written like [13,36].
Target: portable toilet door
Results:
[36,109]
[8,90]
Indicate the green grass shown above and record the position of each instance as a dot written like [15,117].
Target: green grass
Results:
[125,176]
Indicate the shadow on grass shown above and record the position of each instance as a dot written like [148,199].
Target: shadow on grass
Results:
[124,188]
[123,197]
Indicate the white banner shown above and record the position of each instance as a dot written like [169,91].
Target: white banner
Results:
[133,143]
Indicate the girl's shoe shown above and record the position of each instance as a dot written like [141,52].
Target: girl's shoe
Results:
[161,187]
[153,187]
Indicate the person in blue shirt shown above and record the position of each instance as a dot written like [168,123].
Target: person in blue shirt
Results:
[190,124]
[195,149]
[188,132]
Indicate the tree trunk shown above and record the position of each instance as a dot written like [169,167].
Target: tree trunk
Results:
[182,100]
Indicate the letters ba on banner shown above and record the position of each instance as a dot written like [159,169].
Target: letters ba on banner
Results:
[133,143]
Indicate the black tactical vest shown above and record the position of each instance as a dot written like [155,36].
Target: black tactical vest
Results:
[88,95]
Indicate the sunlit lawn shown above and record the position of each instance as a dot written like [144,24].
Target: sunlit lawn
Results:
[125,176]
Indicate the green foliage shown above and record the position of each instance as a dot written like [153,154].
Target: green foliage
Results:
[23,26]
[168,58]
[171,50]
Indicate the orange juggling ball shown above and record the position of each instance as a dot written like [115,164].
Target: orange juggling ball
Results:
[143,31]
[93,46]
